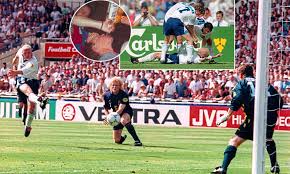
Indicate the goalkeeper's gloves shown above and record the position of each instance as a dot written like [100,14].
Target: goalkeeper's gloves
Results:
[222,119]
[105,121]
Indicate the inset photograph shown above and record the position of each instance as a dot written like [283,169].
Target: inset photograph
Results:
[100,30]
[187,35]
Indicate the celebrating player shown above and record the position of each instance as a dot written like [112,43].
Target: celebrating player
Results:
[200,56]
[177,17]
[117,100]
[27,83]
[244,95]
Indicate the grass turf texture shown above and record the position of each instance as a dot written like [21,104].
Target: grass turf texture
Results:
[158,65]
[58,147]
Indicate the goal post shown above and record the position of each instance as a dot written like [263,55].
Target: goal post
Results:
[260,117]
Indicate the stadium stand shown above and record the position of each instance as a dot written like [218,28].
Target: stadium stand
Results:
[87,80]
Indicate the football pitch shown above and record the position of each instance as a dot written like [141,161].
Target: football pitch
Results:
[59,147]
[157,65]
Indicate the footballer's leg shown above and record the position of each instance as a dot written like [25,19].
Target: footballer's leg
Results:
[148,58]
[25,113]
[32,97]
[30,117]
[271,149]
[189,46]
[229,154]
[126,121]
[271,145]
[117,134]
[165,47]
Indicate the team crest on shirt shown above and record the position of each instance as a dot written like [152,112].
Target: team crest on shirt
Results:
[125,100]
[220,44]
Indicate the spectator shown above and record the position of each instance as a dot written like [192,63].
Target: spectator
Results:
[142,91]
[169,90]
[3,70]
[150,88]
[101,87]
[136,86]
[145,18]
[86,90]
[220,22]
[181,87]
[52,89]
[77,89]
[45,84]
[35,45]
[12,84]
[92,82]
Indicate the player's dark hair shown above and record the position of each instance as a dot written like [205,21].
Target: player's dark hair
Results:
[200,7]
[246,70]
[220,12]
[208,25]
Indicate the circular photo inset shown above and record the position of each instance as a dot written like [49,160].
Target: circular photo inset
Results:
[100,30]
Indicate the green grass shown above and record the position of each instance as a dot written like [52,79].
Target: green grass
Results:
[158,65]
[59,147]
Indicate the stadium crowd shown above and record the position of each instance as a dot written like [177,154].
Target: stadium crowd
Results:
[90,79]
[22,18]
[158,8]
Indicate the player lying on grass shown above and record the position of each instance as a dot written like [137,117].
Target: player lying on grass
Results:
[117,100]
[202,55]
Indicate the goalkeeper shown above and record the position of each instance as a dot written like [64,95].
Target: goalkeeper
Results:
[117,100]
[243,96]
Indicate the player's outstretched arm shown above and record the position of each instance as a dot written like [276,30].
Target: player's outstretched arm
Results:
[215,56]
[225,117]
[106,26]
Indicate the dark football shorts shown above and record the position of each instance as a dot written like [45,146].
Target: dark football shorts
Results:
[246,129]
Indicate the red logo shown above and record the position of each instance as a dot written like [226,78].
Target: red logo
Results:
[59,50]
[68,112]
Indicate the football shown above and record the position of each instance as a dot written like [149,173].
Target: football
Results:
[113,118]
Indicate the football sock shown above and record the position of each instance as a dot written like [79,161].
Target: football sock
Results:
[132,131]
[229,154]
[29,119]
[33,98]
[271,149]
[20,113]
[189,49]
[118,127]
[25,112]
[163,52]
[178,48]
[147,58]
[122,139]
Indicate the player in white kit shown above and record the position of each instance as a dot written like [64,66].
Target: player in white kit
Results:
[203,33]
[27,82]
[177,17]
[200,56]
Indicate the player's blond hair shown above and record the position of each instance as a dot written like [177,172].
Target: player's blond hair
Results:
[203,52]
[116,80]
[26,46]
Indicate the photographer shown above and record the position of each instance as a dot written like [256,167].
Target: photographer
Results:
[145,18]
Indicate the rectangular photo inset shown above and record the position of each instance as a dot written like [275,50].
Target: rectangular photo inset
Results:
[183,35]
